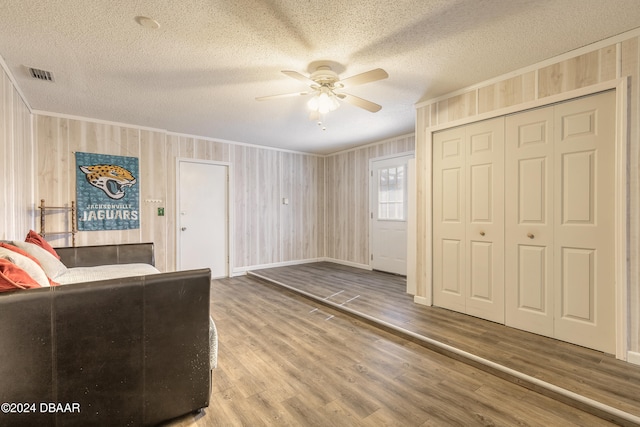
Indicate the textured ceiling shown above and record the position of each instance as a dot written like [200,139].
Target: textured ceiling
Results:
[199,73]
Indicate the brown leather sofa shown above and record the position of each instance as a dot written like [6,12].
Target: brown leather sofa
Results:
[121,352]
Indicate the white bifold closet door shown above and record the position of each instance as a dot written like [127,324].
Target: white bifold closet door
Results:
[560,221]
[523,220]
[468,212]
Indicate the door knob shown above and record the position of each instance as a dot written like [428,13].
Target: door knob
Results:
[482,233]
[530,235]
[183,228]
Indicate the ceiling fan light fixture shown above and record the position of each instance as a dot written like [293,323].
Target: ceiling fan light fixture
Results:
[323,102]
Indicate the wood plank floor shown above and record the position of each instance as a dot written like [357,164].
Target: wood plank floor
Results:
[285,359]
[599,378]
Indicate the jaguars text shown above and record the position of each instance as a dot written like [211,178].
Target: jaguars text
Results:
[101,212]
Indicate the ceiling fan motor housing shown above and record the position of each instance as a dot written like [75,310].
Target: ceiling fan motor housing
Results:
[324,76]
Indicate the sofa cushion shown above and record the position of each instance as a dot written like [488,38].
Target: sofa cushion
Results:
[13,277]
[50,264]
[36,239]
[27,264]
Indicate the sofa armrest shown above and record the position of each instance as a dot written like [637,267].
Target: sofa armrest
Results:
[89,256]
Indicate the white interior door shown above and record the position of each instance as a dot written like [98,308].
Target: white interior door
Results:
[560,221]
[529,220]
[389,214]
[584,222]
[449,219]
[485,220]
[468,219]
[547,221]
[203,200]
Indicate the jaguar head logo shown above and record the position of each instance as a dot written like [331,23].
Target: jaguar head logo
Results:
[109,178]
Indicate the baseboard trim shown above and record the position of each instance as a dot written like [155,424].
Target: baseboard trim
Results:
[633,357]
[348,263]
[422,300]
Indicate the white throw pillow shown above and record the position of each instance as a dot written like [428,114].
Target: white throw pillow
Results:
[50,264]
[27,264]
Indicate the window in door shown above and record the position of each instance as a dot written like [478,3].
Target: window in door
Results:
[392,193]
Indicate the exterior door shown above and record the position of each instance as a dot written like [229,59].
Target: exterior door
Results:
[468,216]
[203,199]
[389,214]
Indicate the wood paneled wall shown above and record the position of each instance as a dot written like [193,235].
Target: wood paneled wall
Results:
[16,163]
[347,199]
[328,198]
[265,231]
[604,62]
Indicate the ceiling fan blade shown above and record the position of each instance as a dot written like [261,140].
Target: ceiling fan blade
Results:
[359,102]
[296,75]
[366,77]
[283,95]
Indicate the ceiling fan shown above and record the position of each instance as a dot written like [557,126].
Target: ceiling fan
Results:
[324,84]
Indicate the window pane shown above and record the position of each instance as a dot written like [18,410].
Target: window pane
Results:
[383,196]
[384,173]
[392,177]
[391,193]
[383,211]
[400,178]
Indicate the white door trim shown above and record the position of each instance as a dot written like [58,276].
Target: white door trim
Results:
[425,293]
[230,217]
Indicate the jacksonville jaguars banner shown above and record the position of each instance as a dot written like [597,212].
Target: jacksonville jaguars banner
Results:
[107,192]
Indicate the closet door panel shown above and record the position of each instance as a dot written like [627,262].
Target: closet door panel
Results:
[481,271]
[578,188]
[533,286]
[449,178]
[485,224]
[584,222]
[532,190]
[578,285]
[529,221]
[481,195]
[451,199]
[452,268]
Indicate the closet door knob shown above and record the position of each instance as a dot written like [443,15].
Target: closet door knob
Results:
[482,233]
[530,235]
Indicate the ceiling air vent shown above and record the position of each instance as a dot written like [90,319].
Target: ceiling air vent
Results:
[41,74]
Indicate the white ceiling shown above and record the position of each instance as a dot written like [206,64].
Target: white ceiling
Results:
[200,72]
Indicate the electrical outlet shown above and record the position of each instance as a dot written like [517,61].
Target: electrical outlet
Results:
[160,211]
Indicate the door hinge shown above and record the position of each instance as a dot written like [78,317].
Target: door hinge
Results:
[371,215]
[371,257]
